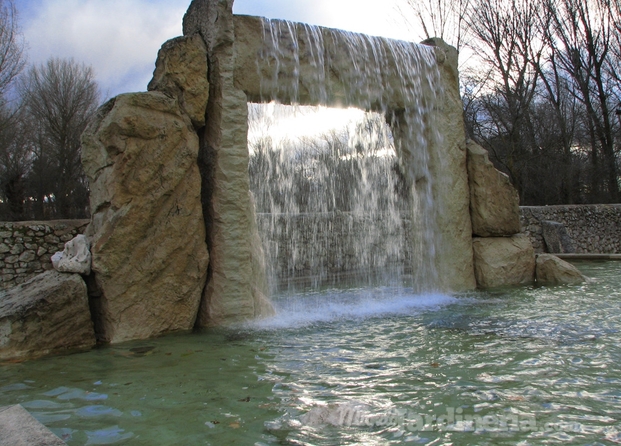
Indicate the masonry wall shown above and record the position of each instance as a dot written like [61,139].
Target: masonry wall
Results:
[26,247]
[593,228]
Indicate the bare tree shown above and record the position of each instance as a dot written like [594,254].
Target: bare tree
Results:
[581,41]
[14,160]
[507,39]
[439,18]
[12,58]
[59,98]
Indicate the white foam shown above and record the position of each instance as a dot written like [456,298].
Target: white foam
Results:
[307,309]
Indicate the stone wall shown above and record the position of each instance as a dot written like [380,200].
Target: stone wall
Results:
[26,247]
[593,228]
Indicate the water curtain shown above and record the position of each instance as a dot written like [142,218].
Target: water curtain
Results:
[358,200]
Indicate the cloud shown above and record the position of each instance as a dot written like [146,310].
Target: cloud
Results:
[119,38]
[364,16]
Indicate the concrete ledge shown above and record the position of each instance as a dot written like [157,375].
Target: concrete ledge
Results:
[588,256]
[19,428]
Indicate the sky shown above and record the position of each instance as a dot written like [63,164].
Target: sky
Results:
[120,38]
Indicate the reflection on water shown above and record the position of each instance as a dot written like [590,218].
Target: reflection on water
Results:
[357,366]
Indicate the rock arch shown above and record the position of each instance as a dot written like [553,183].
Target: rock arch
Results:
[157,222]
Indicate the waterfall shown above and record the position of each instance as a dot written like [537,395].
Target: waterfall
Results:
[355,200]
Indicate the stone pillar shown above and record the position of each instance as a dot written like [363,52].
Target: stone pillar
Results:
[231,293]
[447,167]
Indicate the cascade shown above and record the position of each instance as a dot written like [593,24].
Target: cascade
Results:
[357,200]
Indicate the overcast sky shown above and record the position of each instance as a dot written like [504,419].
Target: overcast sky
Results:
[120,38]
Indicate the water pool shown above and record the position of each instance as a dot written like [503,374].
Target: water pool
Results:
[358,366]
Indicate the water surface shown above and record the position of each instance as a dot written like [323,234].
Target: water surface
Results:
[355,366]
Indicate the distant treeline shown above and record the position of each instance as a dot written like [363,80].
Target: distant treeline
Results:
[43,111]
[541,84]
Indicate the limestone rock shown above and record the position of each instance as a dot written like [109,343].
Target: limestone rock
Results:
[48,314]
[449,174]
[181,72]
[147,230]
[232,294]
[503,261]
[19,428]
[494,202]
[554,271]
[76,258]
[556,237]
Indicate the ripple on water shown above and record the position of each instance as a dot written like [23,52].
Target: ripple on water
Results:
[526,354]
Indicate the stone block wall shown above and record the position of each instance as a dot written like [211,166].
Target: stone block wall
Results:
[26,247]
[593,228]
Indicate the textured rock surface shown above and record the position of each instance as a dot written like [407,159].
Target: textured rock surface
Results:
[593,228]
[148,236]
[556,238]
[503,261]
[75,258]
[554,271]
[232,293]
[181,72]
[19,428]
[494,202]
[48,314]
[447,165]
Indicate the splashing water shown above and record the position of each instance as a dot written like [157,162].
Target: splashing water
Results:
[355,200]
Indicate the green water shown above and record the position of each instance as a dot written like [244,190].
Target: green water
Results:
[368,366]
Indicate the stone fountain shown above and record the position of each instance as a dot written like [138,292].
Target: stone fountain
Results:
[173,236]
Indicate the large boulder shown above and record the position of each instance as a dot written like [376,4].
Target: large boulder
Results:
[494,202]
[147,230]
[48,314]
[503,261]
[181,72]
[554,271]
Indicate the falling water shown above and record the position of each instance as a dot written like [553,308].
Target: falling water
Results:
[357,200]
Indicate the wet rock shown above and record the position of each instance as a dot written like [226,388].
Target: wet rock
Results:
[503,261]
[552,270]
[47,314]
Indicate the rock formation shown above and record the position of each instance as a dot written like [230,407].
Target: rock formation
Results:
[494,202]
[502,256]
[556,238]
[76,257]
[303,78]
[19,428]
[231,294]
[181,73]
[147,232]
[503,261]
[554,271]
[47,314]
